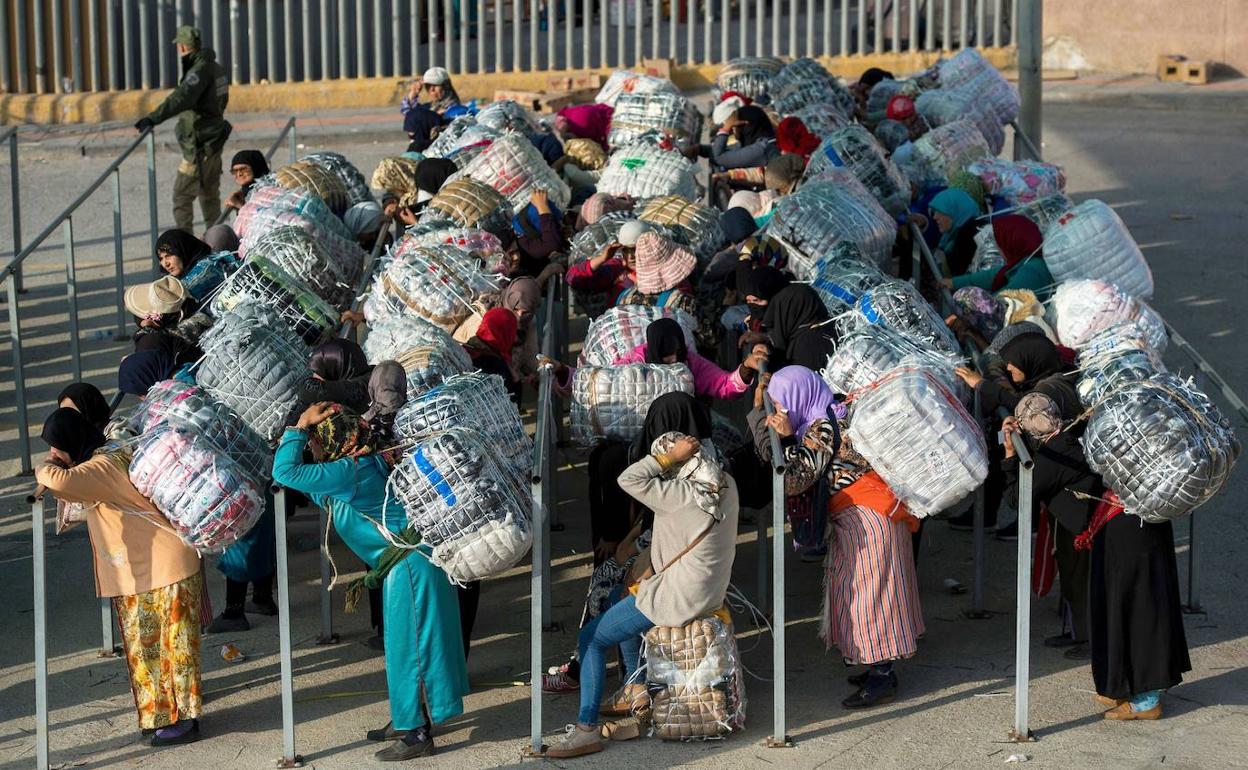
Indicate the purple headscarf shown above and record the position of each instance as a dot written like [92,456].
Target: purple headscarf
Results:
[804,394]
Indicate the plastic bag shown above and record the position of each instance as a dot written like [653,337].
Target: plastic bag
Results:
[868,354]
[747,75]
[643,171]
[696,680]
[624,82]
[697,224]
[811,221]
[946,150]
[611,401]
[390,337]
[1019,181]
[470,203]
[619,330]
[667,113]
[853,147]
[515,168]
[352,178]
[898,306]
[262,282]
[309,177]
[1083,309]
[1090,241]
[804,81]
[506,115]
[299,254]
[441,284]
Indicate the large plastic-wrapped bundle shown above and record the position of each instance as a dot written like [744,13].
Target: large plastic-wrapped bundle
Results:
[623,82]
[1162,445]
[441,284]
[1083,309]
[969,72]
[821,214]
[841,280]
[644,171]
[585,244]
[636,114]
[470,203]
[476,401]
[1116,357]
[261,281]
[697,223]
[390,337]
[804,81]
[482,244]
[619,330]
[946,150]
[869,353]
[295,251]
[271,205]
[611,401]
[210,501]
[464,504]
[461,132]
[822,118]
[898,306]
[920,439]
[1045,211]
[506,115]
[310,177]
[189,407]
[352,178]
[1090,241]
[586,153]
[514,167]
[254,364]
[940,107]
[428,366]
[1019,181]
[696,680]
[747,75]
[855,148]
[987,252]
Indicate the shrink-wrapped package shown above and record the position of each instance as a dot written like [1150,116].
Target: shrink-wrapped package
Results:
[1090,241]
[619,330]
[611,401]
[696,680]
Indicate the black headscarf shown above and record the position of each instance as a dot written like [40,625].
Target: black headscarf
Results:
[663,338]
[1035,356]
[338,360]
[432,173]
[253,158]
[671,412]
[69,431]
[419,123]
[89,401]
[737,225]
[763,282]
[757,125]
[875,75]
[790,312]
[142,369]
[183,245]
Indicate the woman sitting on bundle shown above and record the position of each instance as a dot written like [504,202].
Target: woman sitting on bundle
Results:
[194,263]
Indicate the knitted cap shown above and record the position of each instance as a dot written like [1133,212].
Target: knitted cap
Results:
[661,264]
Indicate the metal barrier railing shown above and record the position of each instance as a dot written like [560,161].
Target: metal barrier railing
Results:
[779,736]
[288,131]
[274,42]
[15,189]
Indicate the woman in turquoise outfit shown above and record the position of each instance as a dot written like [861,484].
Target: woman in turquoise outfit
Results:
[424,651]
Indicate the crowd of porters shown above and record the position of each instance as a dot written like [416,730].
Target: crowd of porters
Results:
[789,286]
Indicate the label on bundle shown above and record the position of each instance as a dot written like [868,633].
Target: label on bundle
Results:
[833,157]
[632,164]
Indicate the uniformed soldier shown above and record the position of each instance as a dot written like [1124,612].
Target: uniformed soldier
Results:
[199,102]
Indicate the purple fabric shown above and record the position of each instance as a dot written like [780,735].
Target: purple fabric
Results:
[803,394]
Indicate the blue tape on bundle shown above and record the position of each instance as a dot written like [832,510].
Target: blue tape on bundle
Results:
[832,155]
[435,478]
[836,290]
[864,305]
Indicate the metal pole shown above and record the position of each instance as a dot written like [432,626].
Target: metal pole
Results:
[498,38]
[379,33]
[480,35]
[97,53]
[981,13]
[778,738]
[344,41]
[862,28]
[602,32]
[1014,30]
[58,50]
[844,49]
[253,43]
[327,600]
[108,644]
[151,197]
[163,48]
[946,25]
[515,35]
[41,58]
[1022,636]
[538,587]
[896,27]
[725,10]
[1030,50]
[327,43]
[219,38]
[71,297]
[621,10]
[657,23]
[587,26]
[128,45]
[119,261]
[294,142]
[448,20]
[913,43]
[75,45]
[270,38]
[996,22]
[673,22]
[15,189]
[775,28]
[289,757]
[39,568]
[236,55]
[6,72]
[19,375]
[916,256]
[963,26]
[306,75]
[929,36]
[878,43]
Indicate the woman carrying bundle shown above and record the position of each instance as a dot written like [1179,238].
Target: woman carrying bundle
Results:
[193,262]
[340,373]
[695,528]
[954,212]
[661,276]
[491,346]
[425,671]
[611,270]
[756,140]
[798,325]
[153,578]
[1020,242]
[665,344]
[523,297]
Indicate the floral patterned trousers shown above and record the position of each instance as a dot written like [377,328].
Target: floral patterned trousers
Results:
[160,629]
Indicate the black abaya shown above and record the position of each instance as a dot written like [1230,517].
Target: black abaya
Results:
[1138,643]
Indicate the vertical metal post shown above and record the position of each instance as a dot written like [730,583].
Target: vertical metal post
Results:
[878,42]
[1030,25]
[844,28]
[980,14]
[163,48]
[15,190]
[552,25]
[379,36]
[657,14]
[673,8]
[622,13]
[308,47]
[97,52]
[639,16]
[38,566]
[996,22]
[498,39]
[108,643]
[569,32]
[779,738]
[539,582]
[1022,635]
[760,13]
[288,41]
[744,28]
[58,49]
[977,583]
[963,23]
[327,599]
[289,758]
[1014,30]
[775,27]
[75,46]
[587,28]
[914,26]
[916,256]
[827,28]
[41,56]
[725,10]
[219,35]
[480,35]
[810,27]
[603,18]
[19,374]
[515,33]
[929,36]
[153,214]
[253,42]
[946,25]
[270,38]
[23,79]
[119,261]
[71,297]
[344,40]
[327,43]
[448,19]
[861,46]
[294,142]
[6,73]
[896,27]
[236,55]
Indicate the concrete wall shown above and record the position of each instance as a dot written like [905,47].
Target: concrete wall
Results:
[1129,35]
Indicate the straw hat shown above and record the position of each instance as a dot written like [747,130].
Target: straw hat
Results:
[661,264]
[158,298]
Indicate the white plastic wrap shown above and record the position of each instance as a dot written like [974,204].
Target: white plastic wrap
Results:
[619,330]
[969,72]
[747,75]
[637,114]
[465,505]
[1083,309]
[262,282]
[585,244]
[482,244]
[940,107]
[1090,241]
[506,115]
[388,338]
[1019,181]
[624,82]
[854,147]
[461,132]
[611,401]
[821,214]
[866,355]
[1162,445]
[899,306]
[920,439]
[697,224]
[822,118]
[514,168]
[428,366]
[470,203]
[643,171]
[299,254]
[843,278]
[803,82]
[1115,357]
[987,252]
[1045,211]
[946,150]
[307,176]
[441,284]
[696,680]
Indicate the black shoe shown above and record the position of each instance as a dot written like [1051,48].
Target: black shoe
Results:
[858,680]
[965,522]
[190,736]
[1060,640]
[872,694]
[1079,651]
[262,606]
[387,733]
[416,743]
[223,625]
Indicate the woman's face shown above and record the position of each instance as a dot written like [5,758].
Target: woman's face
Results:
[1016,375]
[436,92]
[943,221]
[523,316]
[243,174]
[67,403]
[628,255]
[671,358]
[171,264]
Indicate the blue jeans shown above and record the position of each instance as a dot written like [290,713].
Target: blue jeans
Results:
[622,625]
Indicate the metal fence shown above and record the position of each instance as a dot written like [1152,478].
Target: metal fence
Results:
[66,46]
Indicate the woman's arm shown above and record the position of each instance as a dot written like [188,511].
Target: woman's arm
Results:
[710,380]
[802,465]
[980,278]
[644,482]
[92,482]
[336,479]
[751,156]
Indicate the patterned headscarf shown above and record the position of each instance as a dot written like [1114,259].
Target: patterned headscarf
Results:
[971,185]
[342,435]
[704,472]
[1038,415]
[661,264]
[979,308]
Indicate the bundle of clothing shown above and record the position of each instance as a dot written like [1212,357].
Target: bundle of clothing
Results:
[1083,309]
[1019,181]
[506,115]
[481,244]
[821,214]
[515,168]
[296,252]
[642,171]
[842,277]
[471,203]
[262,282]
[428,366]
[639,114]
[271,207]
[943,152]
[688,222]
[610,402]
[461,133]
[441,284]
[805,81]
[1090,241]
[620,329]
[746,76]
[390,337]
[898,306]
[352,178]
[696,680]
[867,354]
[623,82]
[1103,369]
[854,147]
[307,176]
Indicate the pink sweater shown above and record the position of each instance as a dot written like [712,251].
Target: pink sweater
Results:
[708,379]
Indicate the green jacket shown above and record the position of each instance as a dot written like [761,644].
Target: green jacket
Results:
[199,102]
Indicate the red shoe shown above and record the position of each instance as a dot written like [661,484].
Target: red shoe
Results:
[560,681]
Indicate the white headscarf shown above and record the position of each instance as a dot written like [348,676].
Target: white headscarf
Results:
[704,471]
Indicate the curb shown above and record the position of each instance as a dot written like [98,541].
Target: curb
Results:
[1226,101]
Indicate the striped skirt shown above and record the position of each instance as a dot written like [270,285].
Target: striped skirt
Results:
[871,609]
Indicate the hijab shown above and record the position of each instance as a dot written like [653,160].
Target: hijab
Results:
[419,122]
[763,282]
[69,431]
[252,158]
[671,412]
[792,136]
[803,395]
[757,126]
[221,238]
[1018,238]
[737,225]
[523,294]
[142,369]
[432,173]
[979,308]
[183,245]
[704,472]
[89,401]
[387,393]
[790,312]
[663,338]
[343,434]
[498,331]
[338,359]
[1035,356]
[959,207]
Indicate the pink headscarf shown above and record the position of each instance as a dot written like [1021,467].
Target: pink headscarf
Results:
[586,121]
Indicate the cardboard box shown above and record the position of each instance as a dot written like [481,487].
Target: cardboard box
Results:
[547,102]
[1179,69]
[659,68]
[574,82]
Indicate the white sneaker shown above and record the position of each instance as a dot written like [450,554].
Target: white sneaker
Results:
[576,742]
